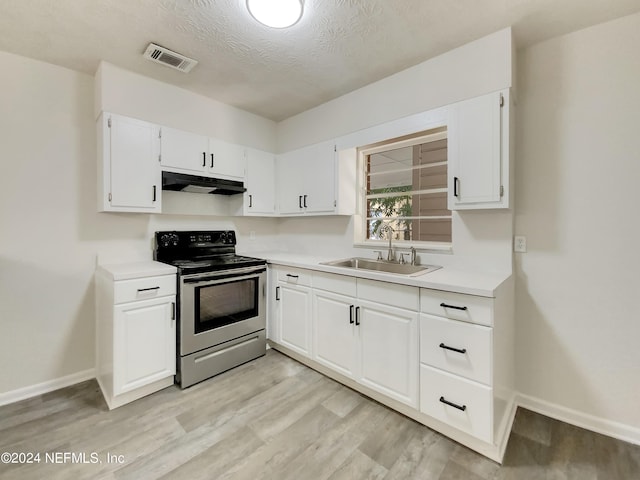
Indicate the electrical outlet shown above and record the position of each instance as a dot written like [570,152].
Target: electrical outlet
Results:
[520,244]
[252,235]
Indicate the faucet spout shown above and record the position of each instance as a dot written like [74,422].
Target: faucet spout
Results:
[390,255]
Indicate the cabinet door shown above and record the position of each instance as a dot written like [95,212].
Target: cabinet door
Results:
[130,154]
[475,140]
[290,179]
[226,160]
[260,197]
[389,351]
[295,318]
[144,343]
[334,337]
[320,178]
[184,151]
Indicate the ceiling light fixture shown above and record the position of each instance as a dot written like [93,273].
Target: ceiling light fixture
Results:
[276,13]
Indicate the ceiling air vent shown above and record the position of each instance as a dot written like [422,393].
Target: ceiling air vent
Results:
[162,55]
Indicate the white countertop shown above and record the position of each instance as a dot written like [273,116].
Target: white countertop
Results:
[449,279]
[127,271]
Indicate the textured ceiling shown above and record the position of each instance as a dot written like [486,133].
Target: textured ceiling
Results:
[338,46]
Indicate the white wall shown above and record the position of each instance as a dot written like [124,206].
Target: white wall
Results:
[51,233]
[480,239]
[469,71]
[137,96]
[577,202]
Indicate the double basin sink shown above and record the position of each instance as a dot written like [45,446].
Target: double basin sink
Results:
[357,263]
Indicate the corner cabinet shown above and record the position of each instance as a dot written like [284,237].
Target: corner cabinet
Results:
[129,176]
[135,330]
[188,152]
[260,197]
[293,309]
[479,152]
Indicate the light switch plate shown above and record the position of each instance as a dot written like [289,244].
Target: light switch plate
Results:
[520,244]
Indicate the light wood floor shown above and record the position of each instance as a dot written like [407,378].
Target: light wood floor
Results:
[274,418]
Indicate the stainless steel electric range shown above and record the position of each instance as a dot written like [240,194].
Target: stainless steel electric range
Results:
[221,302]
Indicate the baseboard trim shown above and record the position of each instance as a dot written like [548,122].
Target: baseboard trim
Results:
[610,428]
[46,387]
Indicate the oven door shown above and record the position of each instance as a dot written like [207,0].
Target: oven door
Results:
[217,307]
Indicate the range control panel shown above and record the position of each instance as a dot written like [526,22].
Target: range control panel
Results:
[195,239]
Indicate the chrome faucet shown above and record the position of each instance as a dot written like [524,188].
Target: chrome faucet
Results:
[413,256]
[390,255]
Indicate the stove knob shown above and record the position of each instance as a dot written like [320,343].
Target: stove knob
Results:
[223,237]
[175,239]
[165,240]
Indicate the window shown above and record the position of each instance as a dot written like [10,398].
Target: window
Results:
[404,190]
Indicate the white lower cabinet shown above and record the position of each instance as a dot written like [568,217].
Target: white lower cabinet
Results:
[135,330]
[461,403]
[389,350]
[144,343]
[295,318]
[334,332]
[443,358]
[293,309]
[373,343]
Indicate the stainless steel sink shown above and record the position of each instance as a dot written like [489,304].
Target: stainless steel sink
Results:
[382,266]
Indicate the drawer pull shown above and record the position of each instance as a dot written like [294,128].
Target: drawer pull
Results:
[454,405]
[459,350]
[444,305]
[292,276]
[148,289]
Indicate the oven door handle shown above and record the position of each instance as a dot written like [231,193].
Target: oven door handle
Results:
[217,279]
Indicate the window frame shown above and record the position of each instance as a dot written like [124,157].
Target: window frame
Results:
[360,222]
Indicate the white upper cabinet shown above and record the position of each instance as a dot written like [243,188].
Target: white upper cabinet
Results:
[260,197]
[129,173]
[478,142]
[195,154]
[184,151]
[226,159]
[307,180]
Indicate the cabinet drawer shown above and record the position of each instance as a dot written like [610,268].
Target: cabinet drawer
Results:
[335,283]
[143,288]
[295,276]
[470,406]
[458,306]
[392,294]
[456,347]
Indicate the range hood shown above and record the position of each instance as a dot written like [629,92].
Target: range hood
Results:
[181,182]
